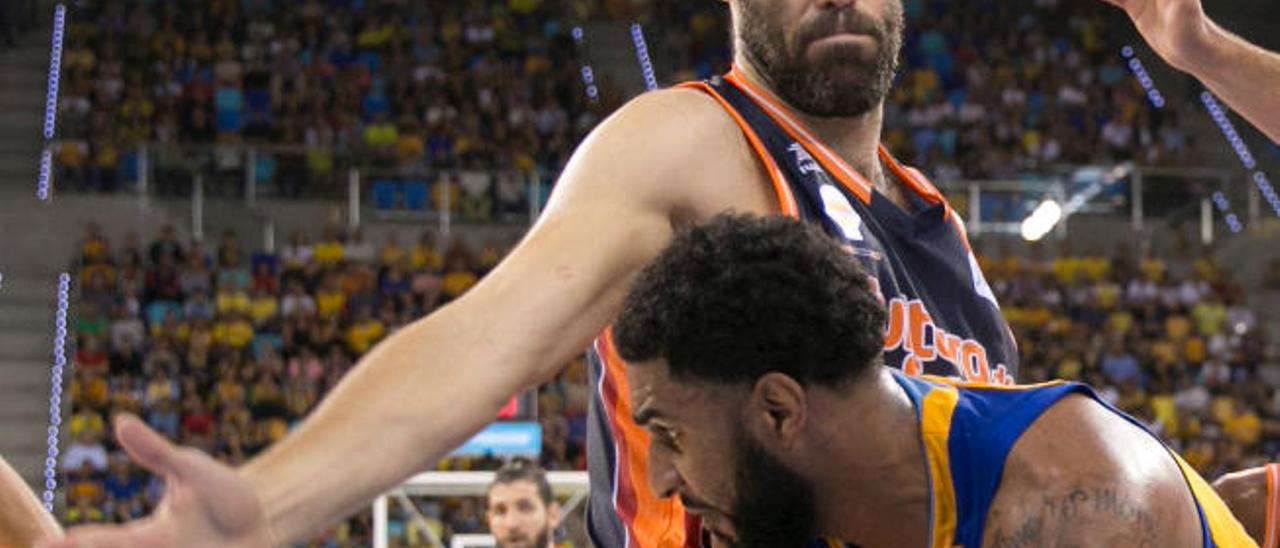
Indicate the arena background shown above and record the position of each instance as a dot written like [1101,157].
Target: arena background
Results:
[381,156]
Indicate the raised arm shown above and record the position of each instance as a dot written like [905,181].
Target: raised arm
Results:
[22,518]
[1246,76]
[426,388]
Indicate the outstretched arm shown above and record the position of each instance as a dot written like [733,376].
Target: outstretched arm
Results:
[22,518]
[1246,76]
[428,386]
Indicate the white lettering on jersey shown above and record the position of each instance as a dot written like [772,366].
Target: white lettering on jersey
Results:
[804,162]
[840,211]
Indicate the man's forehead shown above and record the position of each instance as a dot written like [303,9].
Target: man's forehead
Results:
[652,379]
[514,490]
[655,392]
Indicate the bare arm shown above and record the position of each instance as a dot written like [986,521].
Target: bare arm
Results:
[1245,493]
[1100,516]
[1083,476]
[1246,76]
[430,385]
[22,518]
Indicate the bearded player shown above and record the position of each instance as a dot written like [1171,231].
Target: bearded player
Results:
[793,130]
[754,352]
[520,508]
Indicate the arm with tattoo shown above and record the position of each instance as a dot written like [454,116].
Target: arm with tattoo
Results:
[1080,517]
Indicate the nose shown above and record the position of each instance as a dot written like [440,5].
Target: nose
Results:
[836,4]
[664,479]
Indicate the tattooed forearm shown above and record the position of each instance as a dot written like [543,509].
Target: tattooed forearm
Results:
[1064,519]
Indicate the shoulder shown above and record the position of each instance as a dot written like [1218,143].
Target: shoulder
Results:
[677,148]
[675,123]
[1082,475]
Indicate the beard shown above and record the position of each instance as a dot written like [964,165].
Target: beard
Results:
[837,81]
[539,541]
[774,506]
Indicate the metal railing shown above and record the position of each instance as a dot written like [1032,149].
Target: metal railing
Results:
[260,176]
[374,184]
[1147,199]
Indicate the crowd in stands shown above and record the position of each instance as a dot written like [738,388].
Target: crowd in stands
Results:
[406,87]
[986,89]
[1174,343]
[225,350]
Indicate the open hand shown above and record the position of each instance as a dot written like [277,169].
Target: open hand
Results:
[205,503]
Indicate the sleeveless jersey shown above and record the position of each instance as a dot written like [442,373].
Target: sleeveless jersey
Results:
[942,316]
[967,431]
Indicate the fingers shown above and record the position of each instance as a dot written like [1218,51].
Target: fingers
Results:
[146,447]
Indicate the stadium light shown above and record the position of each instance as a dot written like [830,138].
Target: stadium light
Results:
[1041,221]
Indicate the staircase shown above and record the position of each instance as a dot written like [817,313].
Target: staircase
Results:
[24,71]
[612,55]
[29,270]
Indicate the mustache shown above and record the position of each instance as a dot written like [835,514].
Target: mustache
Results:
[844,21]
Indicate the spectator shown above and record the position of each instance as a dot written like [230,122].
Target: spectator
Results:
[364,331]
[166,246]
[86,451]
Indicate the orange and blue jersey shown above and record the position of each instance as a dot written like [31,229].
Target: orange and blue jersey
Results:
[967,431]
[942,316]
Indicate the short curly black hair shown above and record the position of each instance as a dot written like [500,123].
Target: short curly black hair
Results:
[742,295]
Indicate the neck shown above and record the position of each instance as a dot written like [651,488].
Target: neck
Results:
[879,467]
[855,139]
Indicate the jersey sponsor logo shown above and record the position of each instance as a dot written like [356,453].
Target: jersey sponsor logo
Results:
[911,328]
[841,212]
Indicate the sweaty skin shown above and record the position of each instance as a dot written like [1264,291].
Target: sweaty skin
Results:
[1082,476]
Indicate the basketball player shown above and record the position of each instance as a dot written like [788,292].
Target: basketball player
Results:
[23,520]
[792,130]
[754,347]
[520,509]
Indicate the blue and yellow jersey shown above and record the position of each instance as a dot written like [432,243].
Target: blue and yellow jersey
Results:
[967,431]
[942,316]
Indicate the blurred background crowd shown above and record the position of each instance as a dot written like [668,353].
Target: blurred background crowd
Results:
[225,348]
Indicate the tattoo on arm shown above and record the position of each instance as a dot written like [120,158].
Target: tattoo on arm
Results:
[1064,518]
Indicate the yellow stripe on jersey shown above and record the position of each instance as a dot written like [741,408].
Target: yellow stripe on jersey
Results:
[960,383]
[1223,526]
[935,427]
